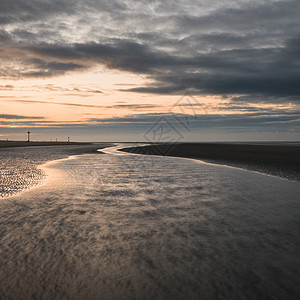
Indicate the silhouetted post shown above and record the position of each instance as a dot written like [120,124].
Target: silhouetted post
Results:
[68,139]
[28,134]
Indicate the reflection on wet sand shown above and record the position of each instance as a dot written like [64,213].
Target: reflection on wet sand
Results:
[108,226]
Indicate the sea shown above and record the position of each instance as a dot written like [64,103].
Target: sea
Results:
[114,225]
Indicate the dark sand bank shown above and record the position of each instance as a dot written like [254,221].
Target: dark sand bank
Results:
[70,148]
[274,159]
[6,144]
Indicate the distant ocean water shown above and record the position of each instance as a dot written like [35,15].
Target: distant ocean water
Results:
[122,226]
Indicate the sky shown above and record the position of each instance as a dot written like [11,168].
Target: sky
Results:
[153,71]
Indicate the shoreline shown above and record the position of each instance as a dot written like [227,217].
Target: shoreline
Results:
[278,160]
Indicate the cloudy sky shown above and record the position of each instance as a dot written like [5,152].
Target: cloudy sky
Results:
[109,70]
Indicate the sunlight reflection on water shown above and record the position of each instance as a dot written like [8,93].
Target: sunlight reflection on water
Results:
[20,167]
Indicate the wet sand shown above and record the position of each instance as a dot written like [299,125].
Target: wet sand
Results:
[20,167]
[281,160]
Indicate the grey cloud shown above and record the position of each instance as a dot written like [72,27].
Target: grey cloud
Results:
[135,106]
[141,123]
[116,106]
[250,120]
[18,117]
[4,36]
[55,103]
[250,16]
[50,68]
[17,11]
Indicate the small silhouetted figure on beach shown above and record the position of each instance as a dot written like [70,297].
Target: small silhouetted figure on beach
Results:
[68,139]
[28,134]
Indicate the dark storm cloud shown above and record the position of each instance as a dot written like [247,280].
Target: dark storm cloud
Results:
[241,49]
[120,54]
[267,72]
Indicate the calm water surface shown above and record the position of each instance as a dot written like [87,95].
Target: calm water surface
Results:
[123,226]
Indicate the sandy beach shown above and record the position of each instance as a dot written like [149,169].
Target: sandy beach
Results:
[281,160]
